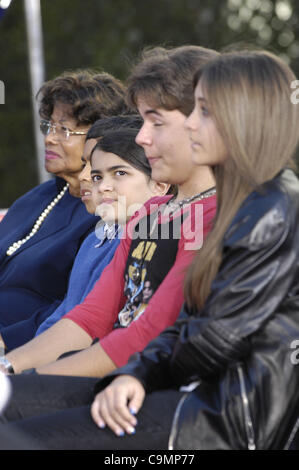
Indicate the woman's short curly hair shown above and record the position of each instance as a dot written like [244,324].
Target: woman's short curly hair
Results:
[91,95]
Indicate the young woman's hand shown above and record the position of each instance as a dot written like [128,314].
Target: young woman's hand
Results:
[117,405]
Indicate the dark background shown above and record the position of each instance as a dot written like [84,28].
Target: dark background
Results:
[108,35]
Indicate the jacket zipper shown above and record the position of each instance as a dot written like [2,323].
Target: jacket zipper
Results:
[292,435]
[247,416]
[174,426]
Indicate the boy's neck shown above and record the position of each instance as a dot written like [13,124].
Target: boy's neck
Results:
[203,179]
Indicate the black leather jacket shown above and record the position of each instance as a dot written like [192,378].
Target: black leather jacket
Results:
[240,345]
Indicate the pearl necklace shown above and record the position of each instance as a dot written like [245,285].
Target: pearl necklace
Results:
[15,246]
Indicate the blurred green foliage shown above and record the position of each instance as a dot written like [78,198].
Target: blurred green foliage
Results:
[108,35]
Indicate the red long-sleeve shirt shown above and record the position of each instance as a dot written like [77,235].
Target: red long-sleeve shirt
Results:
[98,314]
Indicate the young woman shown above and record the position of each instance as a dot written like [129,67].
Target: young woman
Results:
[233,342]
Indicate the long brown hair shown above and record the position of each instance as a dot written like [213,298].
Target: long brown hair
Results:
[249,98]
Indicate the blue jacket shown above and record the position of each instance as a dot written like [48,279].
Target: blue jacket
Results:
[33,281]
[87,269]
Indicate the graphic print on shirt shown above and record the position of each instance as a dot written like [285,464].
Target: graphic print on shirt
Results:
[152,254]
[137,289]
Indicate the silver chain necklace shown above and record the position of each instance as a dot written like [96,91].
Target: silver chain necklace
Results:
[173,205]
[15,246]
[137,270]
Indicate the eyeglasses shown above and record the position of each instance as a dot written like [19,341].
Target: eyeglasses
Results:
[62,133]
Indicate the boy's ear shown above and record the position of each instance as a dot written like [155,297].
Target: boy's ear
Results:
[159,189]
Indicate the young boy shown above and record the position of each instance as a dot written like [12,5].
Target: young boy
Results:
[93,256]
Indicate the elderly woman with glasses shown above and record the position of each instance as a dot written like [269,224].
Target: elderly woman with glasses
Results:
[42,231]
